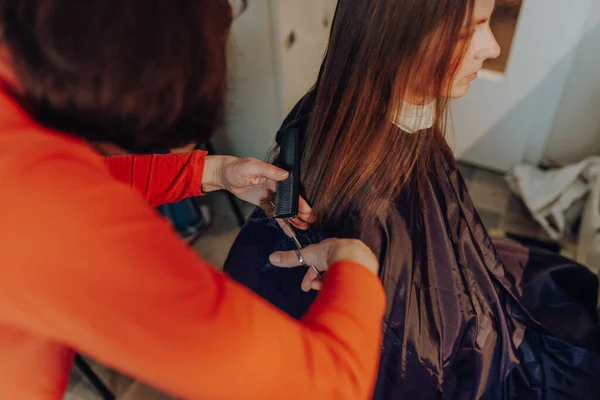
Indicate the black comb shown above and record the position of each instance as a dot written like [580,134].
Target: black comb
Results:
[288,191]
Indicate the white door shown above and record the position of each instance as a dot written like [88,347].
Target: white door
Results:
[276,49]
[505,121]
[301,32]
[252,116]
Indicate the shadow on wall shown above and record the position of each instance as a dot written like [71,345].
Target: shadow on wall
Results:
[548,31]
[572,131]
[576,132]
[512,122]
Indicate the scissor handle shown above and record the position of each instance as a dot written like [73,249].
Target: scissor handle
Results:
[303,262]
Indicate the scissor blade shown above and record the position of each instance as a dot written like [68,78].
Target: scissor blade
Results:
[299,246]
[319,274]
[294,237]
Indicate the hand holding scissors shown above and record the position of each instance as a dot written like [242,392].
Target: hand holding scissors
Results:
[301,258]
[288,229]
[323,255]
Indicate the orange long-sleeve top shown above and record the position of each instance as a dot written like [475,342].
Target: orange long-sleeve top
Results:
[87,265]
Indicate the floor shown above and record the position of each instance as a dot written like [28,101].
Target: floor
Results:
[501,212]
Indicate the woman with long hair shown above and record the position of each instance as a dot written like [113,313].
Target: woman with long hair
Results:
[465,318]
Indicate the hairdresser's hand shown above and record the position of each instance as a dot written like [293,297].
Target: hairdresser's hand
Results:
[251,180]
[323,255]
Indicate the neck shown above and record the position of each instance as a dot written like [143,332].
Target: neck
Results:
[416,100]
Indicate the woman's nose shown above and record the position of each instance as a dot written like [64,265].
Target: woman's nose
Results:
[490,49]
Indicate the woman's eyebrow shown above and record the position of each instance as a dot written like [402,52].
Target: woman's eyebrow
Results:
[483,20]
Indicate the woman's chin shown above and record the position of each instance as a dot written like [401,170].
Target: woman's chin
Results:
[460,90]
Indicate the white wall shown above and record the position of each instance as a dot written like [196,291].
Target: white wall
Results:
[576,130]
[500,123]
[253,117]
[297,66]
[268,77]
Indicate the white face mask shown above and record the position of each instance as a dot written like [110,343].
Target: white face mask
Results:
[413,118]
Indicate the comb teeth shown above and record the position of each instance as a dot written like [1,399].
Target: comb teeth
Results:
[288,191]
[284,198]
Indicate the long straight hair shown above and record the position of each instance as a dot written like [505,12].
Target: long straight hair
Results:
[378,51]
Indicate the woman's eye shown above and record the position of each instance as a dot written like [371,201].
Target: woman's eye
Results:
[467,34]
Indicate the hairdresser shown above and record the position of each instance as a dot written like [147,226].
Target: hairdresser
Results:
[88,266]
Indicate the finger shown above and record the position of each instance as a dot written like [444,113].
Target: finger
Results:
[298,223]
[305,216]
[264,170]
[307,282]
[285,259]
[305,285]
[305,211]
[315,254]
[317,284]
[271,186]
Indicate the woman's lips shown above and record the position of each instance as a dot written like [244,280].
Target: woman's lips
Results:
[473,76]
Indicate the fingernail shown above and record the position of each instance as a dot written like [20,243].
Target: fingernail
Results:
[281,172]
[275,258]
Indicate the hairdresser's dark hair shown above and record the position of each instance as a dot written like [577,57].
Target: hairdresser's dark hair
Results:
[142,74]
[354,156]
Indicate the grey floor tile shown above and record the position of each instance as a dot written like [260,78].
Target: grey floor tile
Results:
[524,226]
[75,378]
[81,388]
[214,247]
[489,197]
[116,382]
[516,207]
[81,392]
[490,177]
[491,221]
[467,171]
[569,252]
[136,391]
[139,391]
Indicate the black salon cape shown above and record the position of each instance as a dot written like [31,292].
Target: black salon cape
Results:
[466,318]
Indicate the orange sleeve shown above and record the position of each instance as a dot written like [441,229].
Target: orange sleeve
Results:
[161,179]
[110,279]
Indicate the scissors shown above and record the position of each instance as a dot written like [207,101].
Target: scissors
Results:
[299,248]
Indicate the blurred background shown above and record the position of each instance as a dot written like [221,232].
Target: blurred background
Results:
[526,135]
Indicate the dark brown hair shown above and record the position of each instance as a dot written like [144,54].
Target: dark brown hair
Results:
[142,74]
[354,155]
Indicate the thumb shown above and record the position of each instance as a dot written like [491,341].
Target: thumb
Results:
[268,171]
